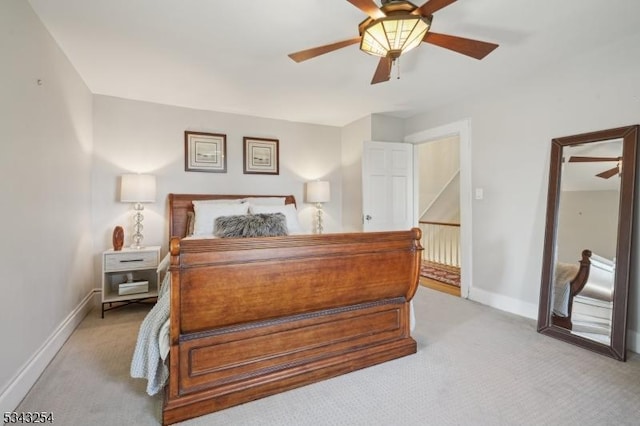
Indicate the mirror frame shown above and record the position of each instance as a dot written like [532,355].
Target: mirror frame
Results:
[617,347]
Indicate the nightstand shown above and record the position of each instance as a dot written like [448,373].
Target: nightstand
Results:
[129,276]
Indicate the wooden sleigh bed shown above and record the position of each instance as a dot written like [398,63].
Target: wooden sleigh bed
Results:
[251,317]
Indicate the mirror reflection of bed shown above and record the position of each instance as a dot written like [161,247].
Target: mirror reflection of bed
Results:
[588,238]
[583,296]
[587,219]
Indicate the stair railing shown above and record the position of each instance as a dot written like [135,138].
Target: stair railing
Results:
[441,242]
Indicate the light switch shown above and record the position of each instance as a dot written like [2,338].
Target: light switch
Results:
[479,193]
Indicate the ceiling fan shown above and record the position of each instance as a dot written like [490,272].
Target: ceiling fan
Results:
[395,28]
[607,173]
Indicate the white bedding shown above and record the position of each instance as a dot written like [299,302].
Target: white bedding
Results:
[601,278]
[599,285]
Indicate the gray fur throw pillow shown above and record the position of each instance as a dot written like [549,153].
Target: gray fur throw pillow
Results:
[251,225]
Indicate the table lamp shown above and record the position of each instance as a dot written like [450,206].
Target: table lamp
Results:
[138,189]
[318,192]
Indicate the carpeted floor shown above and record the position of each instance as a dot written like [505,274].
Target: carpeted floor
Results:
[442,273]
[474,366]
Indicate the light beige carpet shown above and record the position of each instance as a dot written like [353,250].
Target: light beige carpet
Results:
[474,366]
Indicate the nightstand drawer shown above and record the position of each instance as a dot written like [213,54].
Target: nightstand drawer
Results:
[124,261]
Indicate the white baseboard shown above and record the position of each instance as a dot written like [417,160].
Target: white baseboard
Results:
[529,310]
[19,386]
[504,303]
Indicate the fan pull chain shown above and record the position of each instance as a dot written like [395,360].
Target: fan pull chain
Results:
[398,68]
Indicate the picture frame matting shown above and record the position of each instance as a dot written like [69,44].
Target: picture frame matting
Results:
[205,152]
[261,156]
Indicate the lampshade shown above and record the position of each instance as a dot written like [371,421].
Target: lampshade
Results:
[394,35]
[318,192]
[136,188]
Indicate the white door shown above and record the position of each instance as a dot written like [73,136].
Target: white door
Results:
[387,186]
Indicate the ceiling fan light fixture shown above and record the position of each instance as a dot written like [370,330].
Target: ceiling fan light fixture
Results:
[394,28]
[394,35]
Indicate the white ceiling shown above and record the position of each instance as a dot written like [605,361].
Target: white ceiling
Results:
[231,56]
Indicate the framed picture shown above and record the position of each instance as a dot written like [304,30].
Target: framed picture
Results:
[261,156]
[205,152]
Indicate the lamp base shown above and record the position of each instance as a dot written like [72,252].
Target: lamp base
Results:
[319,227]
[137,227]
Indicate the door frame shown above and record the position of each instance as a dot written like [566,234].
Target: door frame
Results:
[461,129]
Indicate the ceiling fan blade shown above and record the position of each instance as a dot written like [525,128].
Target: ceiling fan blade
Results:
[578,159]
[432,6]
[609,173]
[303,55]
[383,71]
[368,7]
[474,48]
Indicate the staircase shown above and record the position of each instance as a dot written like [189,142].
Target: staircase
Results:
[440,223]
[441,242]
[439,207]
[440,226]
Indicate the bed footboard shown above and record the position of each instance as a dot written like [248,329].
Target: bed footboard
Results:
[258,316]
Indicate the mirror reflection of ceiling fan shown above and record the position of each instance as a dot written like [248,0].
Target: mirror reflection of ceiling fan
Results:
[607,173]
[395,28]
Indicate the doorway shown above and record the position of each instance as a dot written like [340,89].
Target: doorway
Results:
[438,180]
[461,131]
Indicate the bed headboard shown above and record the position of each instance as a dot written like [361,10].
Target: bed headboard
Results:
[180,204]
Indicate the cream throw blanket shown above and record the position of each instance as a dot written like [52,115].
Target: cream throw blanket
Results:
[151,348]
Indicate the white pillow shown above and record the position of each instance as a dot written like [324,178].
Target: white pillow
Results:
[265,201]
[206,214]
[289,211]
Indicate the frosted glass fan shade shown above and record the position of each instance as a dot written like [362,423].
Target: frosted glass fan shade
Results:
[393,35]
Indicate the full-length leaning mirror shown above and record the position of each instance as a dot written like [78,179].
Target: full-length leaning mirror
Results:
[587,248]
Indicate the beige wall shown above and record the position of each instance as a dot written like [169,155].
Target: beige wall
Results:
[353,136]
[133,136]
[587,220]
[385,128]
[45,182]
[439,164]
[511,132]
